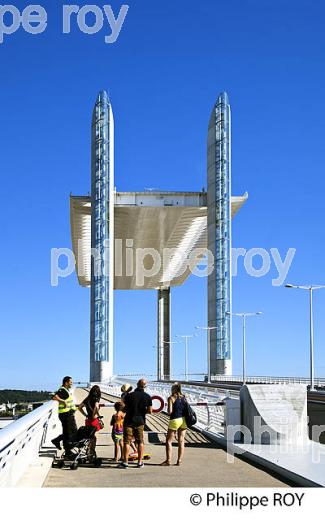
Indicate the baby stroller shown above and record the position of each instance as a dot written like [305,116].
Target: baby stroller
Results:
[80,449]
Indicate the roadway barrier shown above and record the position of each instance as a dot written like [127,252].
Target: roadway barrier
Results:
[21,441]
[269,380]
[155,409]
[214,410]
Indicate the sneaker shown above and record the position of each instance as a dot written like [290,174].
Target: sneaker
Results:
[140,465]
[123,465]
[56,443]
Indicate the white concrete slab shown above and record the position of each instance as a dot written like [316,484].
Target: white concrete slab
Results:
[157,221]
[36,473]
[275,413]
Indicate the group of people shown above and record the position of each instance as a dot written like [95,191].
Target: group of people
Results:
[127,423]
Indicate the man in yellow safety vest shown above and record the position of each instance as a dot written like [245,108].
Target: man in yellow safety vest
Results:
[66,410]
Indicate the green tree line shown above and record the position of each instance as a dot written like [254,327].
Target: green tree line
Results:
[24,396]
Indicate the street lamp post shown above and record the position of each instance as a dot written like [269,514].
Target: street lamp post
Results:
[309,288]
[244,315]
[170,343]
[186,337]
[208,350]
[160,350]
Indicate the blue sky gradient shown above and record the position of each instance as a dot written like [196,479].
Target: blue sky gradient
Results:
[163,74]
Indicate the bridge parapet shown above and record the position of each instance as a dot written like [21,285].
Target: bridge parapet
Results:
[21,441]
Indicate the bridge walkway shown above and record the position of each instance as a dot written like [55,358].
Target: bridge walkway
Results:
[205,463]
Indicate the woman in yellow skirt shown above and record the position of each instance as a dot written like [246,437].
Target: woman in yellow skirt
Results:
[177,423]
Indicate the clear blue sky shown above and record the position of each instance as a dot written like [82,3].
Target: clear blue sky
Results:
[163,75]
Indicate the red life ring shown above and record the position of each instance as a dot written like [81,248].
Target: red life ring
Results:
[162,404]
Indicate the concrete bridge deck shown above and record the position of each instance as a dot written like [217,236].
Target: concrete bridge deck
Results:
[204,465]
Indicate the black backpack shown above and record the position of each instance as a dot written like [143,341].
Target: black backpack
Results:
[189,414]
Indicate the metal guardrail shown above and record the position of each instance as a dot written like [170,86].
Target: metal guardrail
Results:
[208,407]
[320,381]
[21,441]
[269,379]
[154,375]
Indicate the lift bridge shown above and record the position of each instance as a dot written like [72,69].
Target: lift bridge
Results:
[266,433]
[154,240]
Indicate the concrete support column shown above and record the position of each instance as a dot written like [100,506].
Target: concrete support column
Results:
[164,336]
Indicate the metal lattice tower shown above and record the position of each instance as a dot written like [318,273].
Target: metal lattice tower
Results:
[102,215]
[219,235]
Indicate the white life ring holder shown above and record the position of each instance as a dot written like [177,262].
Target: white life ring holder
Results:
[162,404]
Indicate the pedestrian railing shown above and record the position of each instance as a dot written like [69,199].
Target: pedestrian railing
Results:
[21,441]
[209,403]
[268,379]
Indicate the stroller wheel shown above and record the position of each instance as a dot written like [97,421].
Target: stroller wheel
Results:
[74,465]
[60,464]
[98,462]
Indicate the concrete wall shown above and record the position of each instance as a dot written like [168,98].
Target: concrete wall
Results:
[275,413]
[316,418]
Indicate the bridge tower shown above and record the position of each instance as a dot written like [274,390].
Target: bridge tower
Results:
[102,240]
[219,236]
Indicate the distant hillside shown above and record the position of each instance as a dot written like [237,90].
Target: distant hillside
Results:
[23,396]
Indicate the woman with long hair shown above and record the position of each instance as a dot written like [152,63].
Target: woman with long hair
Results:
[91,403]
[177,423]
